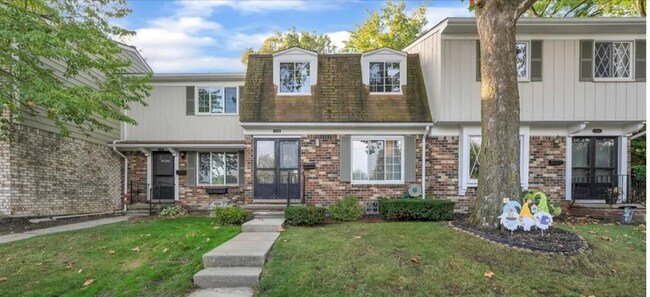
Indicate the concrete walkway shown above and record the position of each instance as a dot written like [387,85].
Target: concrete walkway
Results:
[233,268]
[70,227]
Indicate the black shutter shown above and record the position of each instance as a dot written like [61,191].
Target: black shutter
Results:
[586,60]
[639,61]
[536,60]
[189,100]
[478,60]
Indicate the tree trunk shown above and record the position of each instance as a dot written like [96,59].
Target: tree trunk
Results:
[640,5]
[499,157]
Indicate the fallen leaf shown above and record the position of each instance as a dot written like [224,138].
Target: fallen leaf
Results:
[613,270]
[111,252]
[280,229]
[88,282]
[216,227]
[285,240]
[415,260]
[605,238]
[148,234]
[3,279]
[69,266]
[80,271]
[165,250]
[357,237]
[136,249]
[488,274]
[8,259]
[39,264]
[592,232]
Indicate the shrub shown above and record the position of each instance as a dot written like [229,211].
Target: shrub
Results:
[230,215]
[173,211]
[416,209]
[346,209]
[304,215]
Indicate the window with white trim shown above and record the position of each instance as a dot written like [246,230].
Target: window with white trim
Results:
[218,168]
[384,77]
[523,57]
[613,59]
[217,100]
[474,163]
[295,77]
[377,160]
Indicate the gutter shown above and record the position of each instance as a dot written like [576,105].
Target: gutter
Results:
[126,173]
[424,160]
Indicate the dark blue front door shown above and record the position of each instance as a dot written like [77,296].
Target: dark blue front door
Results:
[277,164]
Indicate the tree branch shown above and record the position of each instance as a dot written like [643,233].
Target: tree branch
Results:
[523,6]
[574,8]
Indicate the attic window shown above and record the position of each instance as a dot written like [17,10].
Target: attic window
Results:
[384,77]
[295,77]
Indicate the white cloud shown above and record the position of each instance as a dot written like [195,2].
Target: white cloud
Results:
[338,37]
[197,64]
[194,7]
[241,41]
[436,14]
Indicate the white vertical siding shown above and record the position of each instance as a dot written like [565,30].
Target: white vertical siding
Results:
[164,119]
[558,97]
[428,49]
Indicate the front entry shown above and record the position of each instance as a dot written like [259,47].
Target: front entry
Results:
[277,168]
[163,175]
[593,166]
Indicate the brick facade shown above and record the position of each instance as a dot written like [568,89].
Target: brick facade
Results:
[551,179]
[442,172]
[44,173]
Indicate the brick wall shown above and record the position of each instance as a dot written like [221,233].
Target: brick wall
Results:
[196,197]
[55,175]
[551,179]
[5,185]
[442,172]
[137,182]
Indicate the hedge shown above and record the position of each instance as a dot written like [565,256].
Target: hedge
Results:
[416,209]
[304,215]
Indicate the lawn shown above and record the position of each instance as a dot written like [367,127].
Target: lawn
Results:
[379,259]
[150,257]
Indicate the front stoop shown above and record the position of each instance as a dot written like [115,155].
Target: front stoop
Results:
[262,225]
[228,277]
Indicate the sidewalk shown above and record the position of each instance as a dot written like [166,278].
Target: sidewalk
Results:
[83,225]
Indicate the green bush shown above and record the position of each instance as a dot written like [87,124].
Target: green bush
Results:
[173,211]
[304,215]
[230,215]
[416,209]
[346,209]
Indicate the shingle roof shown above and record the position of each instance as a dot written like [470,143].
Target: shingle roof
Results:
[339,96]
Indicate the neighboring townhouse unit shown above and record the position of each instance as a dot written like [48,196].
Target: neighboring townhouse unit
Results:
[43,173]
[582,93]
[316,127]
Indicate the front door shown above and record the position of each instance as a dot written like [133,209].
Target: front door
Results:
[163,175]
[593,166]
[277,168]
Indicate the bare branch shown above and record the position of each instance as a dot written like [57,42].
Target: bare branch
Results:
[574,8]
[523,6]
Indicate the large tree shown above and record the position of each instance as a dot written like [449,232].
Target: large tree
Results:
[319,43]
[586,8]
[79,35]
[499,176]
[391,27]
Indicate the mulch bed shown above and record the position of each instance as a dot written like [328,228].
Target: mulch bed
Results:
[554,240]
[18,225]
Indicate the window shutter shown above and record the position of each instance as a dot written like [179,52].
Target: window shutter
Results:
[536,60]
[189,100]
[478,60]
[345,145]
[409,158]
[586,60]
[191,168]
[639,61]
[241,168]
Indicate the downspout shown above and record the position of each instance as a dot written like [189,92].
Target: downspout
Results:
[424,160]
[126,173]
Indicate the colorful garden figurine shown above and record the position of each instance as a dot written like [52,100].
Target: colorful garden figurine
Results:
[543,220]
[542,205]
[509,217]
[525,217]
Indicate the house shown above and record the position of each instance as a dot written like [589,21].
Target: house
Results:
[316,127]
[43,173]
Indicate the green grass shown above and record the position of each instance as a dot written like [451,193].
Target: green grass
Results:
[331,261]
[169,254]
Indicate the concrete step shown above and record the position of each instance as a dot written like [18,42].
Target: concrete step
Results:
[268,214]
[248,249]
[262,225]
[227,277]
[265,206]
[223,292]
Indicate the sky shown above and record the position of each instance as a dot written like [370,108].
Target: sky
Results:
[183,36]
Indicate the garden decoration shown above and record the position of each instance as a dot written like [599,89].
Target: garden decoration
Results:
[542,205]
[510,216]
[543,220]
[526,219]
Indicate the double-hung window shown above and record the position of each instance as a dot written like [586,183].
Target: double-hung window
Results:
[377,160]
[613,60]
[523,57]
[217,100]
[295,77]
[384,77]
[218,168]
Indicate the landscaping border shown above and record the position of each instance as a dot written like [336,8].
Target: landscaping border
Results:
[520,246]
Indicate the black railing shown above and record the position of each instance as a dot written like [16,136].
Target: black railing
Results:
[157,193]
[138,192]
[616,188]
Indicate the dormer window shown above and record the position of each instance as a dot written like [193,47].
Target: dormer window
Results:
[384,77]
[295,77]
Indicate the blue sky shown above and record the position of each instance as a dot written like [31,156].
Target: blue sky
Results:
[209,36]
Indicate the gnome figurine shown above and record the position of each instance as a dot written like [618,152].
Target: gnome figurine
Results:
[526,219]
